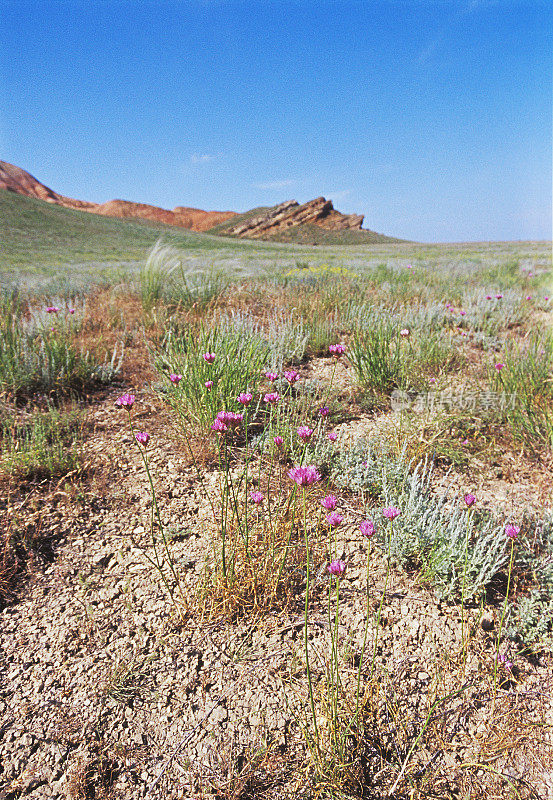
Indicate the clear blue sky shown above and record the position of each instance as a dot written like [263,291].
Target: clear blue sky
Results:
[433,118]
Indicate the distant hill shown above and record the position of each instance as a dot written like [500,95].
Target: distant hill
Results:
[16,180]
[315,222]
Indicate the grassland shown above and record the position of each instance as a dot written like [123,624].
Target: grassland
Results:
[273,569]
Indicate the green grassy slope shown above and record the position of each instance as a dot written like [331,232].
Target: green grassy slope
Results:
[48,235]
[313,234]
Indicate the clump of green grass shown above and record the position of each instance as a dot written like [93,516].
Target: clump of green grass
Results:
[38,352]
[166,275]
[523,378]
[206,388]
[45,445]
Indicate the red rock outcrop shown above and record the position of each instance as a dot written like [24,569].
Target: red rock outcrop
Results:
[319,212]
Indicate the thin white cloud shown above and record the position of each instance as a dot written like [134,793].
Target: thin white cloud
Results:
[201,158]
[273,185]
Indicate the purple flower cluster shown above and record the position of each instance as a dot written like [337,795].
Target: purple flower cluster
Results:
[330,502]
[175,379]
[142,438]
[125,401]
[367,528]
[209,358]
[257,497]
[391,512]
[245,398]
[337,568]
[334,519]
[512,531]
[337,349]
[226,420]
[305,433]
[304,476]
[291,376]
[272,397]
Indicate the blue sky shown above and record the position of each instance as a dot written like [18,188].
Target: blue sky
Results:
[433,118]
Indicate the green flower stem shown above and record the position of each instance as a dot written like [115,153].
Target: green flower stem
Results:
[503,618]
[306,641]
[382,599]
[364,636]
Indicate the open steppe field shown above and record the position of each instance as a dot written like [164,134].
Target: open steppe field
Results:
[276,519]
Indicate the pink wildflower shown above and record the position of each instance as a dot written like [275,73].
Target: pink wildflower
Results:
[142,438]
[391,512]
[330,502]
[334,519]
[332,436]
[230,418]
[245,398]
[337,349]
[271,376]
[431,380]
[470,500]
[174,378]
[324,411]
[279,441]
[125,401]
[337,568]
[52,310]
[367,528]
[272,397]
[291,376]
[528,296]
[70,310]
[209,385]
[499,366]
[304,476]
[512,531]
[257,497]
[219,427]
[463,313]
[405,332]
[498,296]
[489,297]
[209,357]
[305,433]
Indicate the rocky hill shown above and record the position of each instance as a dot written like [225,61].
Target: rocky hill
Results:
[290,214]
[315,222]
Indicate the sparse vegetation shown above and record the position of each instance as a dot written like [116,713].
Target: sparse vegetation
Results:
[291,554]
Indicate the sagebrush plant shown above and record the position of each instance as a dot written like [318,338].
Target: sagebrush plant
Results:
[432,537]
